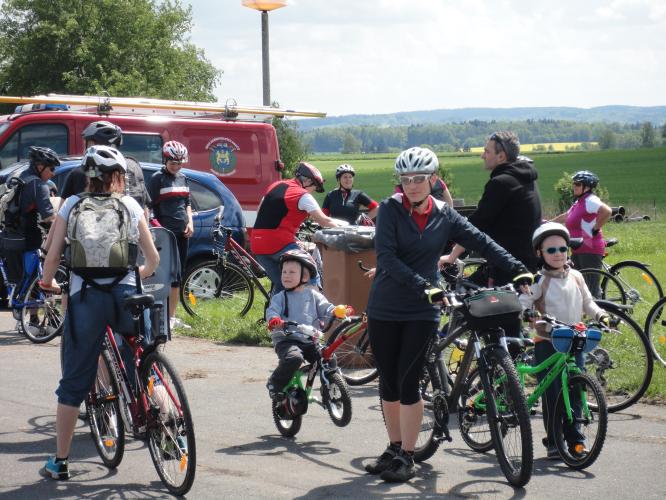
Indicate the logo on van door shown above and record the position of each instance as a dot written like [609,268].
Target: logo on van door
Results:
[222,157]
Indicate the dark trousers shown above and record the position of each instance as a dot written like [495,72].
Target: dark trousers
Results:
[291,354]
[542,351]
[589,261]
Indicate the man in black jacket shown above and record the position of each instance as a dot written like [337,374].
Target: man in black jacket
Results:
[510,207]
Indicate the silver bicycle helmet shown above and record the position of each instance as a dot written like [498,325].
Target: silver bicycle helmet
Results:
[103,132]
[345,168]
[416,161]
[98,160]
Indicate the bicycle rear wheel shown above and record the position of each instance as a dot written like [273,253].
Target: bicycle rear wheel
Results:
[103,408]
[590,421]
[42,317]
[622,363]
[655,330]
[214,290]
[434,401]
[287,426]
[640,286]
[170,432]
[603,285]
[473,416]
[355,358]
[508,417]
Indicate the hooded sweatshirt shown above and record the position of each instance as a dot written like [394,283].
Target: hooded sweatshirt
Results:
[510,209]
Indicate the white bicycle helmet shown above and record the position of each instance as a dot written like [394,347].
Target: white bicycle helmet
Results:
[416,161]
[100,159]
[549,229]
[345,168]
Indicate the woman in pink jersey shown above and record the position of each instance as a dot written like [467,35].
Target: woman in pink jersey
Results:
[584,220]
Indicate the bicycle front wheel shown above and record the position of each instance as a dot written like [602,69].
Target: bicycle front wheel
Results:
[42,317]
[580,439]
[640,286]
[335,397]
[170,431]
[215,291]
[622,363]
[603,285]
[103,408]
[655,330]
[355,358]
[508,417]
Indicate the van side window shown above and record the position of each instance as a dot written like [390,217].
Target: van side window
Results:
[143,147]
[203,198]
[51,135]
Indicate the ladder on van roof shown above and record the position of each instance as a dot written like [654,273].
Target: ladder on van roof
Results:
[123,105]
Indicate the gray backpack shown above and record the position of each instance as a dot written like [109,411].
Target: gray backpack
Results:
[101,241]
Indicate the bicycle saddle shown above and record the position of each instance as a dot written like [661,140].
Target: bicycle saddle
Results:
[138,302]
[521,342]
[611,241]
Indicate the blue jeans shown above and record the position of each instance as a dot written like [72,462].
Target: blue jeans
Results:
[271,263]
[89,319]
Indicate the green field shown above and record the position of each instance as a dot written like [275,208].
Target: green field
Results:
[635,179]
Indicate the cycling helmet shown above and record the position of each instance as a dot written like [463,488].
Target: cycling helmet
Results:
[311,172]
[175,151]
[586,178]
[345,168]
[416,161]
[303,258]
[103,133]
[549,229]
[43,156]
[98,160]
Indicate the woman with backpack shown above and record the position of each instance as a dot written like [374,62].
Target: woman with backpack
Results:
[94,302]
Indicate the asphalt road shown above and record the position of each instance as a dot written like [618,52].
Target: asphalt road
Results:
[241,454]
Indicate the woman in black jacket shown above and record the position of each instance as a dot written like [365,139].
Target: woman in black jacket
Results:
[412,230]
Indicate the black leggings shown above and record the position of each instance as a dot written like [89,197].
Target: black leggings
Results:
[399,349]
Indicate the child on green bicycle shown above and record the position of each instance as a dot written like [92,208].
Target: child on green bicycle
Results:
[561,292]
[297,303]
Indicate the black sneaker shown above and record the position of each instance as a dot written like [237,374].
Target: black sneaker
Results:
[400,470]
[382,463]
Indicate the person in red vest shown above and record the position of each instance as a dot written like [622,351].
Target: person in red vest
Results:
[285,205]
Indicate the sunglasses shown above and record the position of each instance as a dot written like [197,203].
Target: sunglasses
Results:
[498,140]
[406,180]
[554,250]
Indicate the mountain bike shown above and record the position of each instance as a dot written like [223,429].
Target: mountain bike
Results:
[38,312]
[151,403]
[485,345]
[580,404]
[225,284]
[655,330]
[297,394]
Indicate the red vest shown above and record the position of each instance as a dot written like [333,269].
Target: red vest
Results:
[278,217]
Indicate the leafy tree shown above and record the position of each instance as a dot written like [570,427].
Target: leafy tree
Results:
[292,147]
[648,138]
[663,133]
[607,140]
[351,144]
[123,47]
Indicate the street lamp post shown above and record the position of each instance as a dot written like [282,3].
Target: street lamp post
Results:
[264,6]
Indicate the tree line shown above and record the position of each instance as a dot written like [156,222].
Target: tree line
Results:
[449,137]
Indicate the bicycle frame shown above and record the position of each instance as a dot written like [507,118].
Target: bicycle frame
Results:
[22,286]
[247,262]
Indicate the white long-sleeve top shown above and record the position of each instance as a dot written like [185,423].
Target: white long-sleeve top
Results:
[565,296]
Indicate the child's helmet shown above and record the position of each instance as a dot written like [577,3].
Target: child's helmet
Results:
[303,258]
[549,229]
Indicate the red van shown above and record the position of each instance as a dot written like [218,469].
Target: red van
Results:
[243,154]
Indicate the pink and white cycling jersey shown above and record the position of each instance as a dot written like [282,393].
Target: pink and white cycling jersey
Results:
[581,219]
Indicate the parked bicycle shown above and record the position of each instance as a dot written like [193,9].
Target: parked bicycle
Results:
[288,412]
[225,285]
[581,403]
[507,415]
[655,330]
[38,313]
[151,403]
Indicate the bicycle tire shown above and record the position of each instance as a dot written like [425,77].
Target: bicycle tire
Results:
[170,432]
[655,330]
[610,287]
[288,427]
[104,418]
[336,399]
[622,363]
[42,318]
[582,383]
[516,464]
[204,294]
[473,420]
[644,286]
[355,359]
[431,384]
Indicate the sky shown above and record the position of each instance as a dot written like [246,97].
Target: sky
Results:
[384,56]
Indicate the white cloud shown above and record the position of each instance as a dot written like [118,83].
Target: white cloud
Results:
[350,56]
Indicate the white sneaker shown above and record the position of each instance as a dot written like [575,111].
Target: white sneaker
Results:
[177,323]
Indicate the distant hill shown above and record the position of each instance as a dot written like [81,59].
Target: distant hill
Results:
[616,114]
